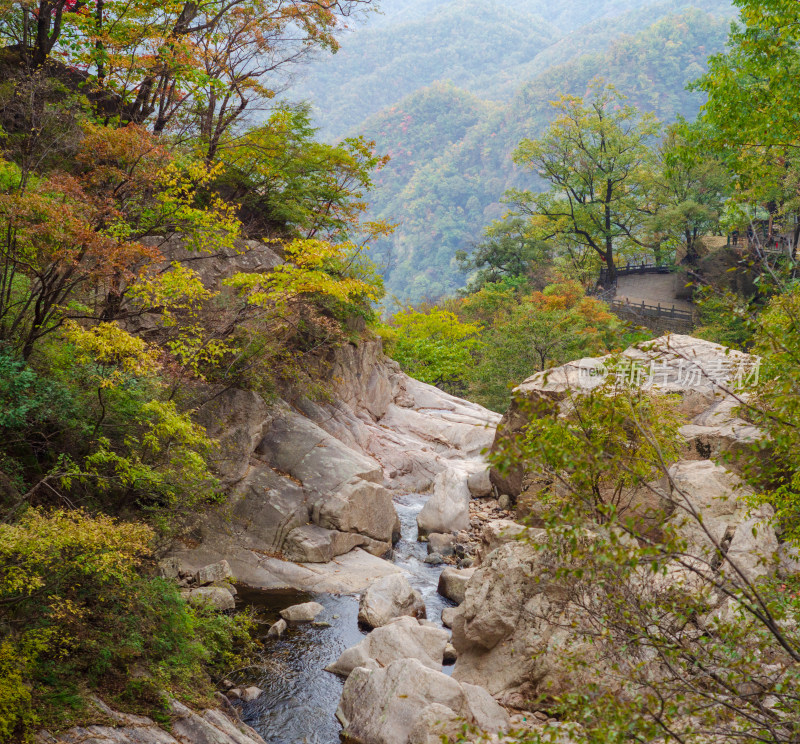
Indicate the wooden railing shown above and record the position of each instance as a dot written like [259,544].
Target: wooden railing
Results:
[633,268]
[649,310]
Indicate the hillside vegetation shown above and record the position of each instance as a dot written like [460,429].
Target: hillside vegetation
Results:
[443,203]
[156,249]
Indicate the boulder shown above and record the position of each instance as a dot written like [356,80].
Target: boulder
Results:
[313,544]
[302,613]
[450,654]
[453,583]
[170,568]
[278,628]
[384,706]
[516,633]
[479,483]
[210,596]
[447,510]
[249,694]
[359,506]
[388,598]
[215,572]
[496,533]
[701,487]
[403,638]
[441,544]
[449,616]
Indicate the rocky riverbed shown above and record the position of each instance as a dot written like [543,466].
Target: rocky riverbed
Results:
[328,501]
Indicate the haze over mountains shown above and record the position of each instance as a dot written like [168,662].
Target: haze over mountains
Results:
[449,88]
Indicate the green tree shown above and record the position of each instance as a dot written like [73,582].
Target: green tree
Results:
[507,250]
[434,346]
[689,189]
[594,157]
[752,115]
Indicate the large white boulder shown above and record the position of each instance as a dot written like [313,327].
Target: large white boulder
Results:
[403,638]
[359,506]
[384,706]
[389,598]
[447,510]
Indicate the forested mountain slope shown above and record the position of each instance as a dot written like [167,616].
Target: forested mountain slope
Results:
[442,196]
[488,48]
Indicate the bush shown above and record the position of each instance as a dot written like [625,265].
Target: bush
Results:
[77,616]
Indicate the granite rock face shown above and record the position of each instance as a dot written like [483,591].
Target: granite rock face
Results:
[388,705]
[312,483]
[187,727]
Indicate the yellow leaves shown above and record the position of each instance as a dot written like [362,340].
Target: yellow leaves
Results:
[49,550]
[108,345]
[211,226]
[313,267]
[180,288]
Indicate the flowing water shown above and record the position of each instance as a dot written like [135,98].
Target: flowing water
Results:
[299,701]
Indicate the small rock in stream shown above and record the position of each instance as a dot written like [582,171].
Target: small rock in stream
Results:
[434,559]
[250,693]
[302,613]
[278,629]
[448,616]
[450,654]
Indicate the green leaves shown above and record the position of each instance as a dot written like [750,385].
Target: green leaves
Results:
[433,346]
[595,157]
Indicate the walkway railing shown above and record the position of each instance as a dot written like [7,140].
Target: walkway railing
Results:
[633,268]
[650,310]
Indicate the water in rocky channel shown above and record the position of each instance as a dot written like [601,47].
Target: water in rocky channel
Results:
[299,701]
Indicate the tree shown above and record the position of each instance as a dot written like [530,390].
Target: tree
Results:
[507,250]
[433,346]
[288,183]
[594,157]
[688,192]
[147,62]
[752,115]
[531,333]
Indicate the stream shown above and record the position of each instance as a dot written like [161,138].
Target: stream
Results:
[299,701]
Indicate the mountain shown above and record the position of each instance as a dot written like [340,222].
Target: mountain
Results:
[444,186]
[486,47]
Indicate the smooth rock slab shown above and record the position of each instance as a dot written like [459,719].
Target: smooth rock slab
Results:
[313,544]
[383,706]
[359,506]
[403,638]
[389,598]
[188,727]
[302,613]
